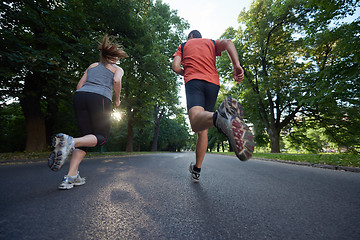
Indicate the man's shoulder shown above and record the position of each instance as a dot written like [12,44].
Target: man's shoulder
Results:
[196,41]
[200,40]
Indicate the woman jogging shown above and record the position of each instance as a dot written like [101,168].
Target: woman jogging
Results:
[93,106]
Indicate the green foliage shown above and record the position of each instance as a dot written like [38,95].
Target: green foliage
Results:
[12,128]
[173,135]
[349,160]
[299,61]
[49,44]
[149,82]
[306,136]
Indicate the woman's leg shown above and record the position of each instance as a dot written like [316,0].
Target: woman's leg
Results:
[78,154]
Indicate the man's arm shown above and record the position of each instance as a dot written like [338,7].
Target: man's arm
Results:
[228,45]
[176,66]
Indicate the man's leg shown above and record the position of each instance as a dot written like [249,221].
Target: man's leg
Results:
[201,146]
[200,121]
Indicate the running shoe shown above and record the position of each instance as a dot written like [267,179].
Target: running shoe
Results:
[229,121]
[233,107]
[69,182]
[195,175]
[64,145]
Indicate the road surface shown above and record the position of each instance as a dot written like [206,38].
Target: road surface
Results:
[152,197]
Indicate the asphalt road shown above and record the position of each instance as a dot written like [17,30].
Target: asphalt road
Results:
[152,197]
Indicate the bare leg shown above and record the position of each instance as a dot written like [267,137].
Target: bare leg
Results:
[200,121]
[86,141]
[78,154]
[201,146]
[76,158]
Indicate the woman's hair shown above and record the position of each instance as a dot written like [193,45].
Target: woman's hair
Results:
[109,50]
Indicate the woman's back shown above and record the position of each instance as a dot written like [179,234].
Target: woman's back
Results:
[99,80]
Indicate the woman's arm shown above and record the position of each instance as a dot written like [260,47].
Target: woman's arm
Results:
[117,85]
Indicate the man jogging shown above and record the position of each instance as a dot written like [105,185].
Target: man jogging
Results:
[198,58]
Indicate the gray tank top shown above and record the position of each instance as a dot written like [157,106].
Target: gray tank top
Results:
[99,80]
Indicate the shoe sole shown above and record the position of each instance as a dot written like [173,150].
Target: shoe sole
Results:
[234,108]
[56,159]
[70,186]
[67,187]
[244,140]
[58,140]
[243,143]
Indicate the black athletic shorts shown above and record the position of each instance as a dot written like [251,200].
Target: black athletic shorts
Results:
[201,93]
[93,114]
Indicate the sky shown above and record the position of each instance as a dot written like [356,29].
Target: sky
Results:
[210,17]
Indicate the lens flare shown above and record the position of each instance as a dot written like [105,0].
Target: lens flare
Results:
[116,115]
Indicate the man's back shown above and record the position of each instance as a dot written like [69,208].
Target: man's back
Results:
[199,60]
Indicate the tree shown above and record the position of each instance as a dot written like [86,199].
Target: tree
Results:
[38,61]
[152,88]
[280,73]
[332,46]
[12,128]
[174,135]
[49,44]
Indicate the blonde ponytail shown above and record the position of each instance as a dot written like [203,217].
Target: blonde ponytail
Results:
[109,50]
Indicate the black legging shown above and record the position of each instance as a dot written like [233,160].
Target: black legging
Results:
[93,114]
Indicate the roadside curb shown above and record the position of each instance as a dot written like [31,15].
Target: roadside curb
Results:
[307,164]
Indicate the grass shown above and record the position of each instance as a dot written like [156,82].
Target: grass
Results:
[342,159]
[334,159]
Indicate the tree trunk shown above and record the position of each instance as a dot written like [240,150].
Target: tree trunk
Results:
[36,134]
[130,138]
[139,140]
[157,119]
[130,134]
[230,147]
[155,138]
[35,122]
[274,140]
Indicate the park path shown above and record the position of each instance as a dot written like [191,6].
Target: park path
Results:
[152,197]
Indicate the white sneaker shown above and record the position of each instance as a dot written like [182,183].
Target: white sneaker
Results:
[69,182]
[64,145]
